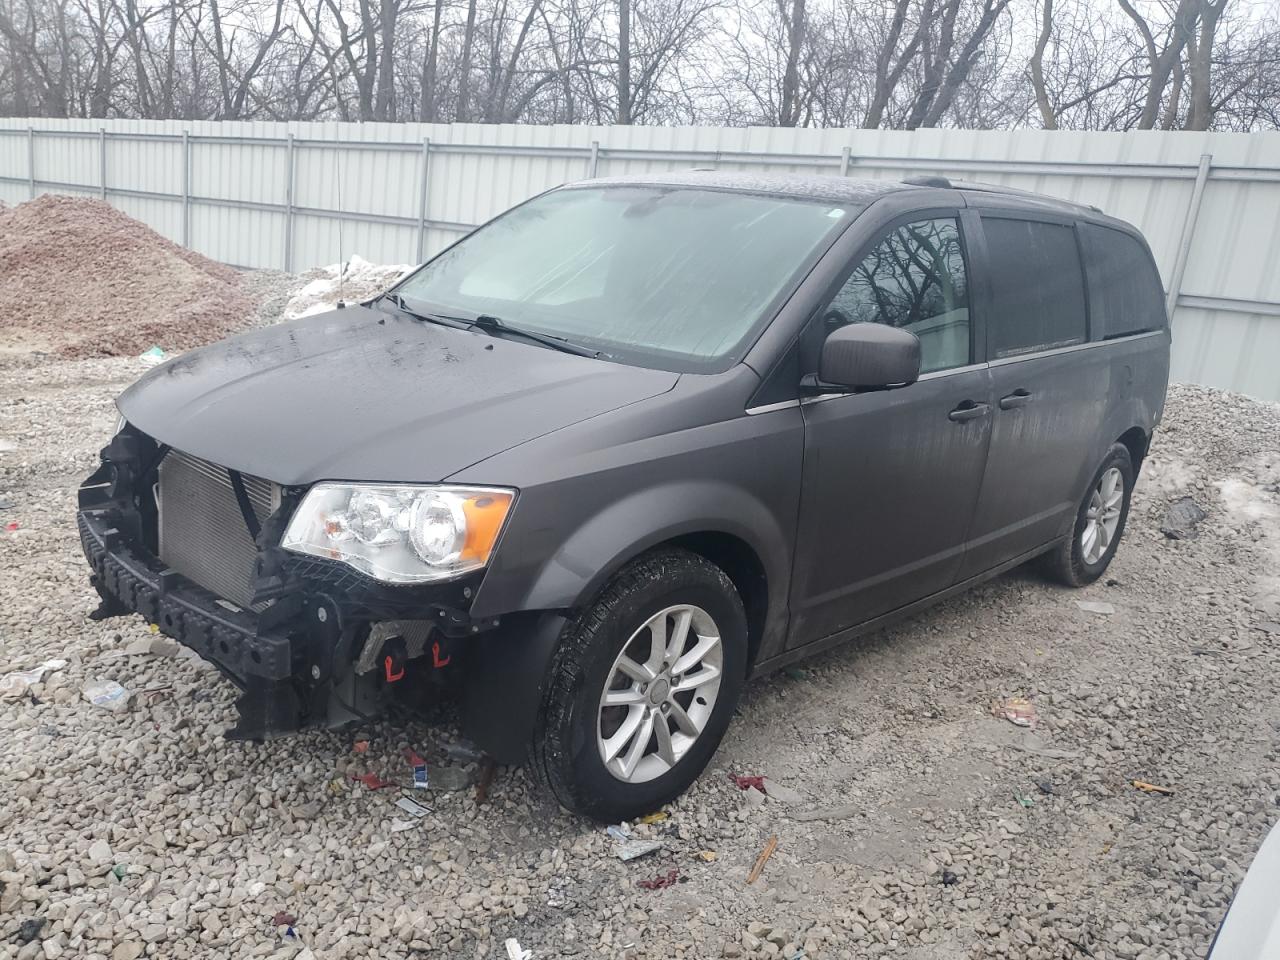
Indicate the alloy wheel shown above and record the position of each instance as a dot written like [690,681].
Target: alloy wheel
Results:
[1102,516]
[660,693]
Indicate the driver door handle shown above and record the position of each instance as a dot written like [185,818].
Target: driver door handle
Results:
[1019,398]
[969,410]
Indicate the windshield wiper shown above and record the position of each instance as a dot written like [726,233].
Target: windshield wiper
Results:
[496,326]
[443,319]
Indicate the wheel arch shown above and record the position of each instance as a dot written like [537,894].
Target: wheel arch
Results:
[743,567]
[722,522]
[1137,441]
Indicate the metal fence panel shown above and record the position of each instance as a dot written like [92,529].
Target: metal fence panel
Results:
[294,195]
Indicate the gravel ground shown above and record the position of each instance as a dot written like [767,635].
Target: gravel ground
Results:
[143,833]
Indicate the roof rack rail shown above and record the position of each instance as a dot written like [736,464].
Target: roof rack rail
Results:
[928,181]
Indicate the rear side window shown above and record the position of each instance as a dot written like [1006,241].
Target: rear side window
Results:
[1037,286]
[1125,295]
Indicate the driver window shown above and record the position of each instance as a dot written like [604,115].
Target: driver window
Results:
[914,279]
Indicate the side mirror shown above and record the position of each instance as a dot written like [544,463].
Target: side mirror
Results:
[868,356]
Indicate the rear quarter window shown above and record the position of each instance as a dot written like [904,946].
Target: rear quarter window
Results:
[1037,286]
[1125,295]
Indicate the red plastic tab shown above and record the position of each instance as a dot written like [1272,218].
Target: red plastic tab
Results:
[388,666]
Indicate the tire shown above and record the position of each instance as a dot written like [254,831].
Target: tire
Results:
[575,727]
[1070,562]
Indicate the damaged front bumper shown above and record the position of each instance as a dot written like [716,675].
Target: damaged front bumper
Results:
[322,648]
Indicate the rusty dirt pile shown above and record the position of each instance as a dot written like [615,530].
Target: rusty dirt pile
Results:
[81,279]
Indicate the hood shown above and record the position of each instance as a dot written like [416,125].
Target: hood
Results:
[359,394]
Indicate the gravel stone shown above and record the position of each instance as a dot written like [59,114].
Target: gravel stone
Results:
[922,852]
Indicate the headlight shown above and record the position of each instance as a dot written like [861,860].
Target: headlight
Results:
[400,533]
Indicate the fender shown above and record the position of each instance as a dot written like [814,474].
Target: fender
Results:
[604,542]
[507,668]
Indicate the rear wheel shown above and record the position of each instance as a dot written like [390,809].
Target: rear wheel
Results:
[642,687]
[1099,525]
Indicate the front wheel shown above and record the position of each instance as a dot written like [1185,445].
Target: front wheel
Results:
[1099,525]
[642,688]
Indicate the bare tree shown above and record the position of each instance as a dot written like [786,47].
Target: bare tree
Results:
[1092,64]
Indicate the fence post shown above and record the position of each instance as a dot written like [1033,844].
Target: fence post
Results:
[423,182]
[31,160]
[1188,234]
[844,161]
[288,204]
[186,188]
[594,163]
[102,162]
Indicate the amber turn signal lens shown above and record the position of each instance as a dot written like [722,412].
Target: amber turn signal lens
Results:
[485,513]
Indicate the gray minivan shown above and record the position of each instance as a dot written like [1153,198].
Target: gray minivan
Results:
[629,444]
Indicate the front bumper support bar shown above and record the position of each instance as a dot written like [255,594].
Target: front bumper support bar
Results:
[233,640]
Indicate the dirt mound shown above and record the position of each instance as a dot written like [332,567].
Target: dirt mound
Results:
[82,279]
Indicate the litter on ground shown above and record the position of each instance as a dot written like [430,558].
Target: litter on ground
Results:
[17,683]
[668,879]
[412,807]
[1097,606]
[1152,788]
[107,694]
[629,847]
[634,849]
[1019,711]
[761,860]
[372,781]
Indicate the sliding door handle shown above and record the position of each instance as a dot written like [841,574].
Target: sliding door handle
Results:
[969,410]
[1019,398]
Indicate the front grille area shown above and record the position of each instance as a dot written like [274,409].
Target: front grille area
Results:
[202,533]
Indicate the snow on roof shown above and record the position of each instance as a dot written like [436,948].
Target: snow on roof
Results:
[801,185]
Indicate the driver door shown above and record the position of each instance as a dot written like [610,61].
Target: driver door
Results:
[891,477]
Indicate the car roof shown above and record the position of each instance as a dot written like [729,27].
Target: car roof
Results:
[801,186]
[811,186]
[856,191]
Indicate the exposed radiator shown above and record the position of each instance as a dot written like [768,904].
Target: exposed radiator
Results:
[202,532]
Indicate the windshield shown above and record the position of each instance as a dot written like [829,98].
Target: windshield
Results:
[675,278]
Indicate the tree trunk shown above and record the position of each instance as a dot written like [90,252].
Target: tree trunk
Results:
[1161,62]
[624,62]
[1047,116]
[1198,66]
[886,80]
[464,70]
[385,106]
[789,108]
[429,112]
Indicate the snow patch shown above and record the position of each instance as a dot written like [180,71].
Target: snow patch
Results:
[353,281]
[1258,505]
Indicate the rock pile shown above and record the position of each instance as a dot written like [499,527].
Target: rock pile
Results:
[82,279]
